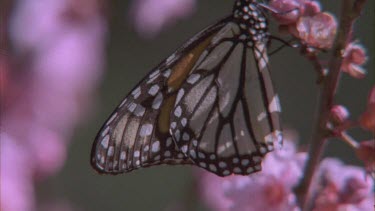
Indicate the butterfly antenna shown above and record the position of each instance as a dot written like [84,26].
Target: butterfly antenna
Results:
[284,44]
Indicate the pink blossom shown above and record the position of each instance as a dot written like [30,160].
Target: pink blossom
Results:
[59,62]
[317,31]
[270,189]
[150,16]
[211,190]
[304,20]
[337,186]
[354,57]
[288,12]
[339,114]
[367,119]
[312,8]
[342,187]
[365,152]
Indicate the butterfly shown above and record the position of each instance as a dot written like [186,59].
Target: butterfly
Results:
[210,104]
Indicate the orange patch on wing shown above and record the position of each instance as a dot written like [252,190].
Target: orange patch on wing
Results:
[183,67]
[164,116]
[180,71]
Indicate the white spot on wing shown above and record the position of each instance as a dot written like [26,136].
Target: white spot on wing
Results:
[132,107]
[274,138]
[245,162]
[123,103]
[250,170]
[123,155]
[201,155]
[167,73]
[222,164]
[226,172]
[184,148]
[193,78]
[257,159]
[146,148]
[112,118]
[153,76]
[105,131]
[171,58]
[157,101]
[137,154]
[155,146]
[237,170]
[173,125]
[180,94]
[153,90]
[139,111]
[212,167]
[155,73]
[146,130]
[178,111]
[183,122]
[193,154]
[185,137]
[202,164]
[105,142]
[136,92]
[261,116]
[111,151]
[169,141]
[274,105]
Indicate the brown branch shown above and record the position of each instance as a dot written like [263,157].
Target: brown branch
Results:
[349,13]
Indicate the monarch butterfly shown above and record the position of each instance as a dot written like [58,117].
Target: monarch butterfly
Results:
[210,104]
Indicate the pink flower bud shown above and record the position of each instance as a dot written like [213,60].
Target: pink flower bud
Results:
[339,114]
[367,119]
[354,56]
[312,8]
[317,31]
[288,11]
[366,153]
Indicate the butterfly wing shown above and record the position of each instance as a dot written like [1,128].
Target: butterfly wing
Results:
[137,133]
[226,115]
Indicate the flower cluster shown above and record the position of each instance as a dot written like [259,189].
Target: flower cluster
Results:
[305,20]
[55,65]
[354,57]
[337,186]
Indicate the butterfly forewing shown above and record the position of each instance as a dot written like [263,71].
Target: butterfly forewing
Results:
[210,104]
[137,132]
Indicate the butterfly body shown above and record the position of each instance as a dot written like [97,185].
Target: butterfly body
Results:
[210,104]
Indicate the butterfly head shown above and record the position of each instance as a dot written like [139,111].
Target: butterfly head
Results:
[251,19]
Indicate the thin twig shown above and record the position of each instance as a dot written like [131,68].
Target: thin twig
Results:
[349,139]
[349,12]
[313,58]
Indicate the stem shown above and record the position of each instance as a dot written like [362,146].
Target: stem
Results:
[349,12]
[313,58]
[349,140]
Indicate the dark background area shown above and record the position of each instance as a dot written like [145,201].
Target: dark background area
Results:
[130,57]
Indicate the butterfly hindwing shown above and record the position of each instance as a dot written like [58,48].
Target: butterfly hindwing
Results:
[227,118]
[137,132]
